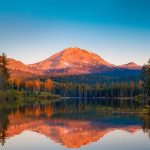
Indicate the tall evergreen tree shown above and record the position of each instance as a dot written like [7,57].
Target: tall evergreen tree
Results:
[4,73]
[146,77]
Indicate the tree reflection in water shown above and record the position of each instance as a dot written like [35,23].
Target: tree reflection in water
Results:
[67,121]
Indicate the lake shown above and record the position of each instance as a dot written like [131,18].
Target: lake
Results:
[84,124]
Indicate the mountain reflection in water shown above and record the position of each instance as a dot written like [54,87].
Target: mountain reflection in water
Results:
[75,122]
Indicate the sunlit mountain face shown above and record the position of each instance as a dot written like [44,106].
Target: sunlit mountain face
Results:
[70,61]
[72,123]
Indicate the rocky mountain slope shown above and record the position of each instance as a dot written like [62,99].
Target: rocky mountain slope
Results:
[70,61]
[73,61]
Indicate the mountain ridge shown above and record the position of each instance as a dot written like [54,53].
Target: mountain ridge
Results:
[70,61]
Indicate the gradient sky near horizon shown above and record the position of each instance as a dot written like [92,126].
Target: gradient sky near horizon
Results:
[117,30]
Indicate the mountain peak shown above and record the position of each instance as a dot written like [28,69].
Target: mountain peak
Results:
[130,65]
[71,58]
[76,50]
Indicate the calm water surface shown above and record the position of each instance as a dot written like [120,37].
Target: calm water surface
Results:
[97,124]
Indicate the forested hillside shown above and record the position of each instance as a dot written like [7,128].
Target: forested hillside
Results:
[130,83]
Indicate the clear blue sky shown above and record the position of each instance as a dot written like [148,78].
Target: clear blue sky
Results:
[118,30]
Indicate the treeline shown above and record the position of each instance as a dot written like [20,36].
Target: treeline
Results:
[32,85]
[69,89]
[99,90]
[97,78]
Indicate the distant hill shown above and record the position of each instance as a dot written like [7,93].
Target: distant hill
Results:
[19,69]
[130,66]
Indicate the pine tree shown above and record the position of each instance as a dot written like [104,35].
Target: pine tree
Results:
[146,77]
[4,73]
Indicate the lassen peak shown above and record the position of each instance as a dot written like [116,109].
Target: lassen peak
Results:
[71,57]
